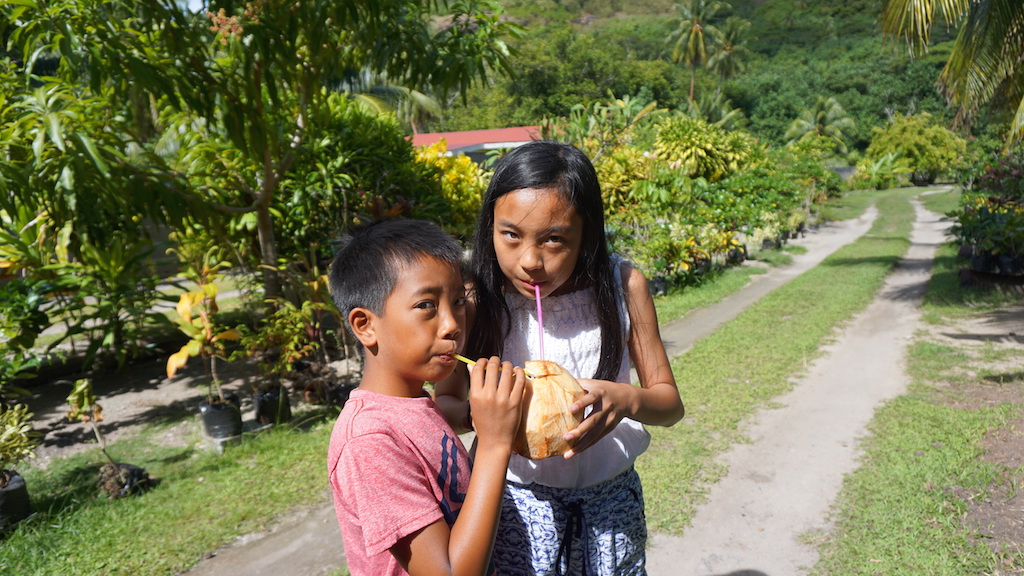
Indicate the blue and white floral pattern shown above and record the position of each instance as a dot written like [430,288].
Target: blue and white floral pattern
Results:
[599,530]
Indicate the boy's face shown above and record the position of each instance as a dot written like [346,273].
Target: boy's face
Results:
[422,323]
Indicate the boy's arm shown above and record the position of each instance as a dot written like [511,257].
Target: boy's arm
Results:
[496,397]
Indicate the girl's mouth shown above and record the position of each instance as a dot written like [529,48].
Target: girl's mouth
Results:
[531,286]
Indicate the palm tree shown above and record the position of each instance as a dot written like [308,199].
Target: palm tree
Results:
[983,65]
[693,34]
[727,60]
[826,118]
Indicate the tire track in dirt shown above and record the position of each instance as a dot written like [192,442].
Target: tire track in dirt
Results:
[780,486]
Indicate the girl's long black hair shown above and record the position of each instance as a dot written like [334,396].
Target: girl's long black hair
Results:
[544,164]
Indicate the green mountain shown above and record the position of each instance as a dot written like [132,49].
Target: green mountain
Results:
[580,51]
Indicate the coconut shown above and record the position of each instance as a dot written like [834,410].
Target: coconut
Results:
[550,391]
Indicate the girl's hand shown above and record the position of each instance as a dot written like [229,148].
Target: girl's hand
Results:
[610,402]
[496,401]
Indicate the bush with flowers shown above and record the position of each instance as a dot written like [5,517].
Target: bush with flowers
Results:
[462,186]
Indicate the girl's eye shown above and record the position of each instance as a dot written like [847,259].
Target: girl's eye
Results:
[460,302]
[509,235]
[556,239]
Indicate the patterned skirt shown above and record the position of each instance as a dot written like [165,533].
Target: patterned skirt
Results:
[599,530]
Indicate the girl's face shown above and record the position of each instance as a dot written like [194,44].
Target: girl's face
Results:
[537,237]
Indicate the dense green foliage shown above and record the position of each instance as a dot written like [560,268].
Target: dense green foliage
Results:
[929,149]
[798,52]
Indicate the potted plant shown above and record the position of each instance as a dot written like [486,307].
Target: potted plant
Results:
[279,343]
[117,479]
[17,438]
[17,442]
[221,413]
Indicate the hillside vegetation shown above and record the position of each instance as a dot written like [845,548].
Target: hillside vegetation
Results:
[575,52]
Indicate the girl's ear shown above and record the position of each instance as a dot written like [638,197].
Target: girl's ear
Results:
[362,322]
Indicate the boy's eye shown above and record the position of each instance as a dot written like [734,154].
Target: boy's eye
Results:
[425,305]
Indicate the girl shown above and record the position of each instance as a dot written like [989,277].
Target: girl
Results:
[542,225]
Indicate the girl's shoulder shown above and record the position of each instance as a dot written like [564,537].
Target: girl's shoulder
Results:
[628,276]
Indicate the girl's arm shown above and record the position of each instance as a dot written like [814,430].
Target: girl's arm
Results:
[466,547]
[452,396]
[656,401]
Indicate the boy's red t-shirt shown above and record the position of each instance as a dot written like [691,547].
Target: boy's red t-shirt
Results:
[395,467]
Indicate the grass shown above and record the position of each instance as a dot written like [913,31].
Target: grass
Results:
[927,445]
[730,374]
[202,501]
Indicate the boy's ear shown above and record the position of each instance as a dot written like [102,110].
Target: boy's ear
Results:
[363,326]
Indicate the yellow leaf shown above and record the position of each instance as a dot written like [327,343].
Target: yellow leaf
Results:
[227,335]
[177,361]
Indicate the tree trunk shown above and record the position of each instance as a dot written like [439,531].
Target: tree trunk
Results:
[268,252]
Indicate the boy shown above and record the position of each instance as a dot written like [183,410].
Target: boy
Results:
[399,474]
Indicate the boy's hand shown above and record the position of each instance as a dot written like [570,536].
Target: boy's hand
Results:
[496,401]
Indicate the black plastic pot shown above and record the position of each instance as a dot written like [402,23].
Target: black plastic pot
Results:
[983,262]
[15,505]
[272,406]
[221,419]
[1010,265]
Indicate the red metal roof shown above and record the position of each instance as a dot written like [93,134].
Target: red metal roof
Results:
[479,139]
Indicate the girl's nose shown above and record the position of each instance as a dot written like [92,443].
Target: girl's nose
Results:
[531,259]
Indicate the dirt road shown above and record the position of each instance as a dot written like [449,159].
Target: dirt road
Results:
[780,486]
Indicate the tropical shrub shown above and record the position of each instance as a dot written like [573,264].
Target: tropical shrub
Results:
[991,218]
[887,171]
[929,149]
[462,186]
[18,440]
[356,159]
[807,160]
[701,150]
[1003,177]
[663,247]
[762,202]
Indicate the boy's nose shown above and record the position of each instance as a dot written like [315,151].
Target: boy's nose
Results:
[450,328]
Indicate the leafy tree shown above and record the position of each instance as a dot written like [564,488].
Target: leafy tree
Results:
[983,66]
[929,149]
[827,118]
[244,84]
[694,33]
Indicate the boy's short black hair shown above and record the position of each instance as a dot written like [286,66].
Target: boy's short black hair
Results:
[365,268]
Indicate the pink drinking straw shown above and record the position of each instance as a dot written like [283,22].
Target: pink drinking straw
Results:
[540,321]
